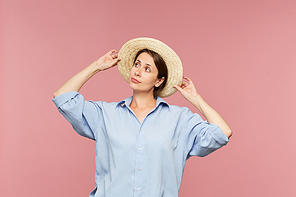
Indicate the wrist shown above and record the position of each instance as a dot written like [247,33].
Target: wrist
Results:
[195,100]
[198,102]
[95,67]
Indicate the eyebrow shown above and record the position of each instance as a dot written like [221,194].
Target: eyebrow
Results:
[141,62]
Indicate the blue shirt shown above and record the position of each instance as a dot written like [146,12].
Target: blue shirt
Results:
[139,159]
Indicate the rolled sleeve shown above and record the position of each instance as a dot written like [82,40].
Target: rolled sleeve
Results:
[203,138]
[82,115]
[63,98]
[219,136]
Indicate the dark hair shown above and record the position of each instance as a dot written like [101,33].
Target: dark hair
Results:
[160,65]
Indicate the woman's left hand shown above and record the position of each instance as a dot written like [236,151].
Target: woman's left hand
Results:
[187,89]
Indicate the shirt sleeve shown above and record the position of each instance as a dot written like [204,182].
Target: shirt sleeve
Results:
[84,116]
[203,138]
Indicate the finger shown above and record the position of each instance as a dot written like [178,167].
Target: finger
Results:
[184,84]
[115,61]
[178,88]
[111,51]
[188,79]
[114,56]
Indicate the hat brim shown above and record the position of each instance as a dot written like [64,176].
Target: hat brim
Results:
[128,52]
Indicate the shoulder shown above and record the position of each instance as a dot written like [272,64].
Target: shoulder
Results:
[185,114]
[104,104]
[174,108]
[110,105]
[178,109]
[175,111]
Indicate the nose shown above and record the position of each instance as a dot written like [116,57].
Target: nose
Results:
[138,72]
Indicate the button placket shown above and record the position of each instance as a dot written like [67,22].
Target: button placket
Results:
[139,161]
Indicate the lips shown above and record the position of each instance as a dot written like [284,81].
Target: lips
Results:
[134,80]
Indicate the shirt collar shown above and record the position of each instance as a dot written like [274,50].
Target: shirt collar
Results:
[127,102]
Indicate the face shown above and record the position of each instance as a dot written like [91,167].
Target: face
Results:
[143,75]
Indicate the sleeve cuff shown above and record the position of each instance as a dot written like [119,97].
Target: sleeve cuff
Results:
[63,98]
[219,136]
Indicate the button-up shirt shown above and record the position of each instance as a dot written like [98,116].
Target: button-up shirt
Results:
[139,159]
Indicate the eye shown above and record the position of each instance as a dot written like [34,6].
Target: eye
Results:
[147,69]
[137,64]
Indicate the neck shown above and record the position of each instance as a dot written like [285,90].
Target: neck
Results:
[142,100]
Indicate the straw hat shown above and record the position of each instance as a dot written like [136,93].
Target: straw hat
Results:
[129,50]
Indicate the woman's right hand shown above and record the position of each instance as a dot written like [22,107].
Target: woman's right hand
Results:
[108,60]
[76,82]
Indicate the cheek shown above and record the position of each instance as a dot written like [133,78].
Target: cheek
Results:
[130,73]
[152,79]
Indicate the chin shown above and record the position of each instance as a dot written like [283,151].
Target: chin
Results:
[132,85]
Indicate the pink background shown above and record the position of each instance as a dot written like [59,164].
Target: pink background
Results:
[240,54]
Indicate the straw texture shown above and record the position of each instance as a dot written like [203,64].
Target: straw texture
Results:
[129,50]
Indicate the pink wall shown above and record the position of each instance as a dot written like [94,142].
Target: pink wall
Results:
[240,54]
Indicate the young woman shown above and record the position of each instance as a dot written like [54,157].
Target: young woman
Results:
[142,142]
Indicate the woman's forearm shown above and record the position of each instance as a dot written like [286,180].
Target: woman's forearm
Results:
[211,115]
[78,80]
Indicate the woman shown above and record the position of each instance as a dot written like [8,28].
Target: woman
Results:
[142,142]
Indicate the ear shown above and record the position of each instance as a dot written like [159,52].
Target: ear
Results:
[159,82]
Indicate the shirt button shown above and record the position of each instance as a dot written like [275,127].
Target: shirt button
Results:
[138,189]
[139,169]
